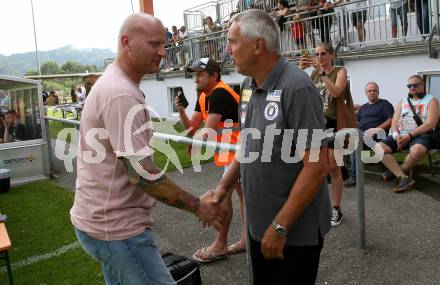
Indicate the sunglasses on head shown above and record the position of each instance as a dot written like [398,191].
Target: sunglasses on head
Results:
[412,85]
[320,54]
[203,62]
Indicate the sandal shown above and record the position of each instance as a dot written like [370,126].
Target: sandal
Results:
[204,256]
[236,248]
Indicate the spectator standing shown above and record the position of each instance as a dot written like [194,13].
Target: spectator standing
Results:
[410,130]
[399,7]
[374,115]
[217,108]
[338,110]
[359,16]
[280,13]
[423,15]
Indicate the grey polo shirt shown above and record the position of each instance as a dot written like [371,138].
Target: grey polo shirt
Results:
[287,101]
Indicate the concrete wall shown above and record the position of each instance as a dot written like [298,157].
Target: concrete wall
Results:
[391,73]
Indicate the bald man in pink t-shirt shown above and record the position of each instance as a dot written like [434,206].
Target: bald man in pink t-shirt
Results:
[117,180]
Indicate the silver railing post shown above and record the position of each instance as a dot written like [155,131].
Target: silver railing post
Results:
[360,192]
[49,147]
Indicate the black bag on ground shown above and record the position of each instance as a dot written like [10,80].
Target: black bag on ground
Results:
[184,271]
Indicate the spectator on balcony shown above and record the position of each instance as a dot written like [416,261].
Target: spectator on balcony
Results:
[281,12]
[423,15]
[410,130]
[359,16]
[399,7]
[209,26]
[211,44]
[372,116]
[175,35]
[325,22]
[169,35]
[306,9]
[183,33]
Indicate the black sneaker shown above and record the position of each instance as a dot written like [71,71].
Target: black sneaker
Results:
[336,217]
[388,176]
[350,182]
[403,184]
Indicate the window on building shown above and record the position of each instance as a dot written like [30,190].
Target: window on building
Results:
[432,82]
[19,111]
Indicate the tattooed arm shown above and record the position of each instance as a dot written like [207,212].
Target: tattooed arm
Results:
[165,190]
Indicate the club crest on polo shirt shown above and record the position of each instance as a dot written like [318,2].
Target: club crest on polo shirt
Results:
[271,111]
[274,95]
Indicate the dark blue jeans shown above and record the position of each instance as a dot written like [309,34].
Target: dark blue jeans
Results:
[423,15]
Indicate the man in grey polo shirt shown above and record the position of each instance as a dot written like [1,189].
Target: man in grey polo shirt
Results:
[286,198]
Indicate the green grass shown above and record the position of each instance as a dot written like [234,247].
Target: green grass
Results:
[39,223]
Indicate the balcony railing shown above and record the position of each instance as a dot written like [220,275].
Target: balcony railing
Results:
[352,25]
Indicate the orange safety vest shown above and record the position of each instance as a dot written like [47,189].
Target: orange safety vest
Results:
[222,158]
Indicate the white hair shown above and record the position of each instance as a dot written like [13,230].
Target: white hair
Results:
[256,23]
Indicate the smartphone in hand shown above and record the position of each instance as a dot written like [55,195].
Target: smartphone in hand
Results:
[182,99]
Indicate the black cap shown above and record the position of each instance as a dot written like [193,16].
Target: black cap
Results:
[205,64]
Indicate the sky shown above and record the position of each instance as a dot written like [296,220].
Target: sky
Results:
[80,23]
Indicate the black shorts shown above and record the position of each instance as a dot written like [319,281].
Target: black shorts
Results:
[359,16]
[424,140]
[330,123]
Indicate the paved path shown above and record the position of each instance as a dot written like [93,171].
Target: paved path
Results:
[403,235]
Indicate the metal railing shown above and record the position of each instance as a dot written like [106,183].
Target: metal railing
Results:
[374,23]
[232,147]
[211,45]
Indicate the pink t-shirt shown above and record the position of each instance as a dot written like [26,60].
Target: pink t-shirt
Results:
[106,205]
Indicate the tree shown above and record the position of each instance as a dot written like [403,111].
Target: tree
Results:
[50,67]
[31,72]
[72,67]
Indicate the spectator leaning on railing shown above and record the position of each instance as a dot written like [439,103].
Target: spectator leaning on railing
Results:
[280,13]
[372,116]
[410,129]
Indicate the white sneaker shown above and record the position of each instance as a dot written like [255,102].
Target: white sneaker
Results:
[336,217]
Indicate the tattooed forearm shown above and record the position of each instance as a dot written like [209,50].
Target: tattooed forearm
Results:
[162,189]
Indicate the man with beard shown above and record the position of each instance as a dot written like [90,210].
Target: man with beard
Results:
[217,107]
[415,117]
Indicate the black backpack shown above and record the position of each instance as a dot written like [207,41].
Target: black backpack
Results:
[184,270]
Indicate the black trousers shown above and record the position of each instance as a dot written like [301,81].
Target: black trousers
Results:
[299,266]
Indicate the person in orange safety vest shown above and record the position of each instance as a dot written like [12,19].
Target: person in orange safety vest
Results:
[217,107]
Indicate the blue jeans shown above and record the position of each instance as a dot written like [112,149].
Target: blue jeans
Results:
[132,261]
[423,15]
[402,12]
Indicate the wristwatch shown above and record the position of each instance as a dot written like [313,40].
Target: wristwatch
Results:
[279,229]
[322,74]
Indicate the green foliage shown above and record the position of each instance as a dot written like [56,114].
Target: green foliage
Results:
[51,67]
[20,64]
